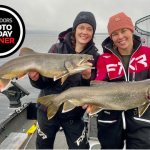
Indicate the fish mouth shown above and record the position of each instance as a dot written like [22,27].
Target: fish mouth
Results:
[148,96]
[85,63]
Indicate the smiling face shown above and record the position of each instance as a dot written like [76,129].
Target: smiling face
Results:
[84,33]
[122,38]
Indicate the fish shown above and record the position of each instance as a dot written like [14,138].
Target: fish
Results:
[50,65]
[102,96]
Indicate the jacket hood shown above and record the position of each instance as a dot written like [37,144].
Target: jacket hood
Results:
[107,44]
[63,34]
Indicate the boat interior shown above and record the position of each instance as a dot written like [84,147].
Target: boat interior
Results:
[18,130]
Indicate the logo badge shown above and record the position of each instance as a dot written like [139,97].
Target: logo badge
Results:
[12,31]
[83,17]
[117,19]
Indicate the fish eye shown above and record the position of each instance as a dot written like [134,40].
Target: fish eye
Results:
[81,57]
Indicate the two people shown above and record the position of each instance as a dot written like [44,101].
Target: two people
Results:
[75,40]
[124,59]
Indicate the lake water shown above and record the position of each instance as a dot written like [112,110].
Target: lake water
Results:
[39,43]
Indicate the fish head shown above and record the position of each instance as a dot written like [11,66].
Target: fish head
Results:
[78,62]
[143,108]
[148,94]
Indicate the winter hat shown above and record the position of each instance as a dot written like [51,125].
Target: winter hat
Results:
[119,21]
[85,17]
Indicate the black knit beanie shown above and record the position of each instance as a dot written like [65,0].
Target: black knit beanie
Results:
[85,17]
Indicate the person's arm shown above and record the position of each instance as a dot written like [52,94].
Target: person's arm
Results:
[38,81]
[101,74]
[86,77]
[89,74]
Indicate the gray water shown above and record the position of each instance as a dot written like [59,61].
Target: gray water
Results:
[39,43]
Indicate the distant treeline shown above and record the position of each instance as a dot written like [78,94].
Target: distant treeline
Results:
[52,32]
[41,32]
[101,33]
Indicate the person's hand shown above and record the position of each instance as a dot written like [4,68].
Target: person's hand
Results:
[87,107]
[86,74]
[34,75]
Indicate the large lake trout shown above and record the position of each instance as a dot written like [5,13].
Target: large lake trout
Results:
[47,64]
[101,95]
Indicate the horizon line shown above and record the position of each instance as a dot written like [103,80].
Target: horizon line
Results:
[49,32]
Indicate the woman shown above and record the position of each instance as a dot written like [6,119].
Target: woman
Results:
[76,40]
[124,59]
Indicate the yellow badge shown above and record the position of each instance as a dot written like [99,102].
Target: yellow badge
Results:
[117,19]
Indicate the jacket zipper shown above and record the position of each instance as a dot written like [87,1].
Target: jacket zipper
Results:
[122,63]
[133,78]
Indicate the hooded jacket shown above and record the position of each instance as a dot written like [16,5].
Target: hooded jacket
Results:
[48,86]
[110,67]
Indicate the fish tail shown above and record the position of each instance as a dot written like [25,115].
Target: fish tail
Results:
[4,84]
[51,103]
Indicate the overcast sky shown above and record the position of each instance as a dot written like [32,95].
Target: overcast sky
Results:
[58,15]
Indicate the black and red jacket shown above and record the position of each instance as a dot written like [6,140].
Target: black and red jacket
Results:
[48,86]
[110,67]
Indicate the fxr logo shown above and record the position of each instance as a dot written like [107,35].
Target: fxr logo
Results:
[112,67]
[141,60]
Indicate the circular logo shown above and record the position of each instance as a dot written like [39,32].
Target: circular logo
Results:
[12,31]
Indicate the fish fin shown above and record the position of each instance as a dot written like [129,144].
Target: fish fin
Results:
[63,79]
[20,77]
[50,102]
[4,84]
[26,51]
[58,76]
[94,110]
[68,105]
[98,83]
[143,108]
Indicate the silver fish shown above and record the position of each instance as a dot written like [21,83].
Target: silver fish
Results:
[101,95]
[49,65]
